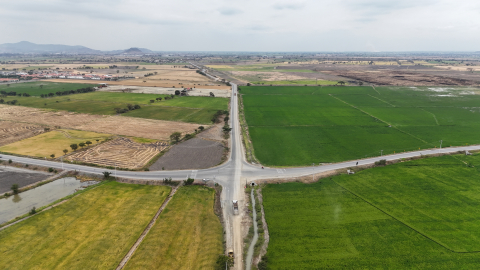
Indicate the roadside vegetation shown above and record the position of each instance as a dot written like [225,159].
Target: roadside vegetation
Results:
[93,230]
[291,126]
[412,214]
[187,235]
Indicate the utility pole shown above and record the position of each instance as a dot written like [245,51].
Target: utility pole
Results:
[441,141]
[381,152]
[115,170]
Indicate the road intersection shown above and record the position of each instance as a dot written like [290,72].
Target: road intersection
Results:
[234,174]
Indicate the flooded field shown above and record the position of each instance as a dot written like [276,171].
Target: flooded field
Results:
[22,203]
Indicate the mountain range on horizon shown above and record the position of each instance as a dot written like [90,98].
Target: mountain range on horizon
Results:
[26,47]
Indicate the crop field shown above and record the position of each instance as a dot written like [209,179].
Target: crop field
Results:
[52,142]
[187,235]
[121,153]
[292,126]
[309,82]
[412,215]
[11,132]
[187,109]
[93,230]
[38,88]
[119,125]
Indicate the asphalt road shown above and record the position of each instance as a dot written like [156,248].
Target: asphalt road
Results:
[233,174]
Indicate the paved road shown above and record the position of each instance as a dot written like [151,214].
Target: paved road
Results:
[234,174]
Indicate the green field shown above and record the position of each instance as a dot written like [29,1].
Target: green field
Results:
[187,235]
[300,82]
[34,89]
[94,230]
[188,109]
[413,215]
[291,126]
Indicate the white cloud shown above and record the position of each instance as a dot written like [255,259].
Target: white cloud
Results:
[246,25]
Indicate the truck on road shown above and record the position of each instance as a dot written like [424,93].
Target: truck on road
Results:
[235,206]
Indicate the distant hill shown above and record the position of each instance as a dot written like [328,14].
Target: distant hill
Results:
[29,47]
[133,51]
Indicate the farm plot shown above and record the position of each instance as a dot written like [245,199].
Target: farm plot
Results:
[39,88]
[11,132]
[119,125]
[304,125]
[416,214]
[53,142]
[192,154]
[194,242]
[93,230]
[188,109]
[120,152]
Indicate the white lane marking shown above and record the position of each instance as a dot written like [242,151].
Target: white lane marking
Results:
[280,171]
[194,174]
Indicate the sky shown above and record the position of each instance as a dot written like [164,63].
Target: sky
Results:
[246,25]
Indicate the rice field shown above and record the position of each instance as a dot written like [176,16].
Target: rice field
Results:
[294,126]
[93,230]
[412,215]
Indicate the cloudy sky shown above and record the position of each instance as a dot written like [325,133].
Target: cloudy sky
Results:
[246,25]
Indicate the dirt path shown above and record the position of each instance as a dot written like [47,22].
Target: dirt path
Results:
[251,248]
[147,229]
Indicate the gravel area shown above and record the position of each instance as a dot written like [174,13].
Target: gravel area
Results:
[192,154]
[10,176]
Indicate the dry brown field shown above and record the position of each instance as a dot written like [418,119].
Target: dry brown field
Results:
[11,132]
[61,119]
[138,127]
[120,152]
[120,125]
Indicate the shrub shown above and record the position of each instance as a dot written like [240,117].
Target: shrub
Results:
[14,188]
[50,169]
[10,161]
[33,211]
[106,174]
[189,181]
[382,162]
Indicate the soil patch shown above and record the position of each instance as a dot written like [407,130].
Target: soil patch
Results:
[192,154]
[10,176]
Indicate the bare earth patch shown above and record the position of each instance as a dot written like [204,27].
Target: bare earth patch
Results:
[138,127]
[120,152]
[120,125]
[43,117]
[11,132]
[10,176]
[192,154]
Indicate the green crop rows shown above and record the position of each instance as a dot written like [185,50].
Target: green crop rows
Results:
[291,126]
[419,214]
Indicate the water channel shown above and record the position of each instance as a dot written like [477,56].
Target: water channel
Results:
[22,203]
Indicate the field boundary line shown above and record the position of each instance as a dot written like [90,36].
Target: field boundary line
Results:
[404,223]
[382,100]
[135,246]
[380,119]
[375,90]
[434,117]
